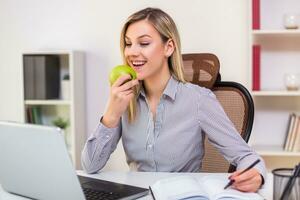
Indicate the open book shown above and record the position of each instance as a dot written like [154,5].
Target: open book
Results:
[208,187]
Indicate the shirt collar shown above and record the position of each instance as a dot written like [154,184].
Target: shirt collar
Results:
[170,90]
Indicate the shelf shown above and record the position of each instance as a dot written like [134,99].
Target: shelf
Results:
[50,52]
[265,150]
[294,32]
[47,102]
[275,93]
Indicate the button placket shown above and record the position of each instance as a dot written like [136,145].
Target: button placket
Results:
[159,119]
[150,133]
[150,140]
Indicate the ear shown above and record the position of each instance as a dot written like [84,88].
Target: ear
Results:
[169,48]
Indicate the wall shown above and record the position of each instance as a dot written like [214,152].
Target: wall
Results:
[216,26]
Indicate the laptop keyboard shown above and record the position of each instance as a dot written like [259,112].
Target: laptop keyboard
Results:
[91,194]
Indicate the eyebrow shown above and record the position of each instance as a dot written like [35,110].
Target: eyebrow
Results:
[145,35]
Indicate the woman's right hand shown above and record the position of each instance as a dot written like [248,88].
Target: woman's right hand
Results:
[121,92]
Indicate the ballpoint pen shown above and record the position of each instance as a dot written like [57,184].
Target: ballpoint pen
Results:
[248,168]
[151,192]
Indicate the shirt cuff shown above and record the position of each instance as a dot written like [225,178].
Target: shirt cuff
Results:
[103,132]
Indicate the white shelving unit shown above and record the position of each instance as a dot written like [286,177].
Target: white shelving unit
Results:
[72,109]
[280,53]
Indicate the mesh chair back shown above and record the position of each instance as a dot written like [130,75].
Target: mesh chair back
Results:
[238,105]
[235,99]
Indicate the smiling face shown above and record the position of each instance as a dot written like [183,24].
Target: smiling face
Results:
[145,51]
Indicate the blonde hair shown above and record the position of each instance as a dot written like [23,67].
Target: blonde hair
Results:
[167,29]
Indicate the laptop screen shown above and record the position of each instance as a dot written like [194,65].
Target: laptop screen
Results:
[35,163]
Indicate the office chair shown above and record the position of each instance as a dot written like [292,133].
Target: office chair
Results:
[203,69]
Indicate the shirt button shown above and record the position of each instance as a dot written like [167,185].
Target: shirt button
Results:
[149,146]
[107,136]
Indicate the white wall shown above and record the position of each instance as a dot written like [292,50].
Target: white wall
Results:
[216,26]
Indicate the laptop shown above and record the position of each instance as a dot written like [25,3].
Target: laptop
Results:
[34,163]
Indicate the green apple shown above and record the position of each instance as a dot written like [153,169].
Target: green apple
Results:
[120,70]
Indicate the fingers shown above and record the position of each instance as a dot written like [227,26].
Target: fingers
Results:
[246,175]
[127,92]
[251,185]
[122,95]
[246,187]
[129,85]
[121,92]
[248,181]
[123,84]
[123,79]
[234,174]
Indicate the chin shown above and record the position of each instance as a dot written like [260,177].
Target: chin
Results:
[140,77]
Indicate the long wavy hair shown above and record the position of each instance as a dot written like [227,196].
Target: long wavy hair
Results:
[167,29]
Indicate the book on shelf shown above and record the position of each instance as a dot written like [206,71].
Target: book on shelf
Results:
[255,14]
[41,76]
[29,117]
[294,133]
[34,115]
[296,146]
[289,129]
[29,77]
[256,67]
[206,187]
[292,138]
[47,77]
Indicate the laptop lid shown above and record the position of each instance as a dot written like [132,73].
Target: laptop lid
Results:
[35,163]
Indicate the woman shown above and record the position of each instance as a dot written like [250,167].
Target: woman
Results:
[150,113]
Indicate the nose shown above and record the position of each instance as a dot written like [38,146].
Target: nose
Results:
[132,50]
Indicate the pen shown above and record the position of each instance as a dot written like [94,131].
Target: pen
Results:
[251,166]
[151,193]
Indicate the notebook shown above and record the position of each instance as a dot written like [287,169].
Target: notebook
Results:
[209,187]
[35,164]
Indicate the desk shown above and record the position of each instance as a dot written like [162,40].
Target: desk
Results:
[144,179]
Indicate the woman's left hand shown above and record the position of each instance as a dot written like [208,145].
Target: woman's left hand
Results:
[249,181]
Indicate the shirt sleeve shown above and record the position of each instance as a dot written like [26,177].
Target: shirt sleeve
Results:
[99,146]
[223,135]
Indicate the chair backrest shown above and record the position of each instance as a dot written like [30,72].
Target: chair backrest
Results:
[203,69]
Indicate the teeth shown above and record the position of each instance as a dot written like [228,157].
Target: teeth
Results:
[138,62]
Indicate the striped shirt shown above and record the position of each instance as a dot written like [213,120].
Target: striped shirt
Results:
[174,140]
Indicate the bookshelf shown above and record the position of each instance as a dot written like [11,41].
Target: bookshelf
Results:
[279,53]
[42,108]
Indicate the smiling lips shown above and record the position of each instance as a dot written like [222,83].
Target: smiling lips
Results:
[137,65]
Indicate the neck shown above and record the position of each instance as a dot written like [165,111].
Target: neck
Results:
[155,86]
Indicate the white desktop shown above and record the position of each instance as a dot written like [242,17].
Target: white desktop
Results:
[144,179]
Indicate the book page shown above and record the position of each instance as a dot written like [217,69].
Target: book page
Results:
[179,187]
[214,186]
